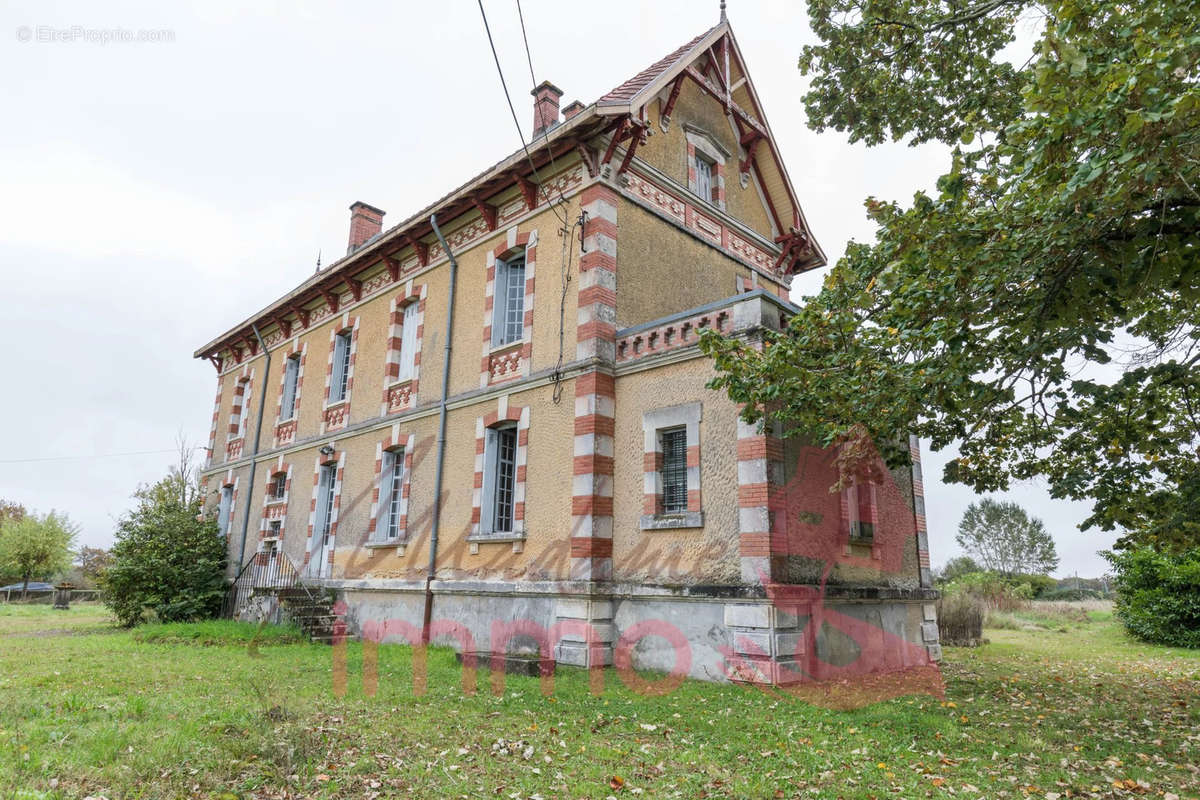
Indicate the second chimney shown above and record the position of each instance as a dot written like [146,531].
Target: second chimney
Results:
[365,221]
[573,109]
[545,107]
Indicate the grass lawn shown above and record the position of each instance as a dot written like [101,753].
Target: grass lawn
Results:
[1074,709]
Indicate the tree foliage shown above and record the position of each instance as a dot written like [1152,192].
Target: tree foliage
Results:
[1040,309]
[1005,539]
[36,547]
[955,568]
[1158,594]
[92,561]
[166,558]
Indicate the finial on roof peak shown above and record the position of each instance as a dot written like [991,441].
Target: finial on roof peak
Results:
[722,10]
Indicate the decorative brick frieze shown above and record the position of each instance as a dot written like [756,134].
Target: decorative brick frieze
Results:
[511,360]
[336,414]
[672,335]
[394,441]
[401,394]
[693,217]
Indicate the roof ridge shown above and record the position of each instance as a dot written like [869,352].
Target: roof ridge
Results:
[630,88]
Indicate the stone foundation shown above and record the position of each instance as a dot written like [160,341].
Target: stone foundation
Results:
[715,633]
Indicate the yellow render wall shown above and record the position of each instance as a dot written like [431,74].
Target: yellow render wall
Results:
[662,270]
[683,556]
[667,152]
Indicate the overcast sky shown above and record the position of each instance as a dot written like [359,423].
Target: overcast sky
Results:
[155,193]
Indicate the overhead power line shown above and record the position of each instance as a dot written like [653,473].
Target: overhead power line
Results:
[504,85]
[92,457]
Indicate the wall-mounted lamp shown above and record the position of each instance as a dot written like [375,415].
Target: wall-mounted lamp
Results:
[327,450]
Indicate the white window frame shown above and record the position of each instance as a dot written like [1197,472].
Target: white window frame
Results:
[291,382]
[339,379]
[272,497]
[325,493]
[492,481]
[391,494]
[224,510]
[408,342]
[508,302]
[704,177]
[244,410]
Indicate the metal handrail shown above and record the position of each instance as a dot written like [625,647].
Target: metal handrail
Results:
[265,571]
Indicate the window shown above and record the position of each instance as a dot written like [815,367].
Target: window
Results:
[325,487]
[408,342]
[671,472]
[244,411]
[860,504]
[291,380]
[391,492]
[278,485]
[223,509]
[340,379]
[674,470]
[508,309]
[273,530]
[704,177]
[499,479]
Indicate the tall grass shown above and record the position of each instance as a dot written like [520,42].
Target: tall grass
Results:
[960,619]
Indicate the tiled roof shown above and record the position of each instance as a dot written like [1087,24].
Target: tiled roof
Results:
[627,90]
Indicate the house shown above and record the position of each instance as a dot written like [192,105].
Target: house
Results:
[490,422]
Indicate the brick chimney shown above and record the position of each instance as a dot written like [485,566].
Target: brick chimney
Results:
[573,109]
[545,107]
[365,222]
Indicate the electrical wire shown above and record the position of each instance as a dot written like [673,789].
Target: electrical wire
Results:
[102,455]
[504,84]
[533,87]
[568,237]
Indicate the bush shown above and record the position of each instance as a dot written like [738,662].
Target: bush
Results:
[166,560]
[996,592]
[1158,595]
[960,619]
[1070,595]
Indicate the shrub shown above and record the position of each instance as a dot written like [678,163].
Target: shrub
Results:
[166,560]
[1158,595]
[996,592]
[960,618]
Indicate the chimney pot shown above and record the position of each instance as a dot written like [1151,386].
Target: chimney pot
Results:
[545,107]
[365,221]
[574,108]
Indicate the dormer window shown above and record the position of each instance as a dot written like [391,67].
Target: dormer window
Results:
[706,158]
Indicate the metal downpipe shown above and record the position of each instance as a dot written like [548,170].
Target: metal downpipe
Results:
[441,437]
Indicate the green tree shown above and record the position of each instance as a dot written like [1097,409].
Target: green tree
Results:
[1158,594]
[92,561]
[166,558]
[1039,310]
[1005,539]
[956,567]
[36,546]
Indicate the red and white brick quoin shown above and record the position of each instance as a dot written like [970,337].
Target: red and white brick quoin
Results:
[761,516]
[595,396]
